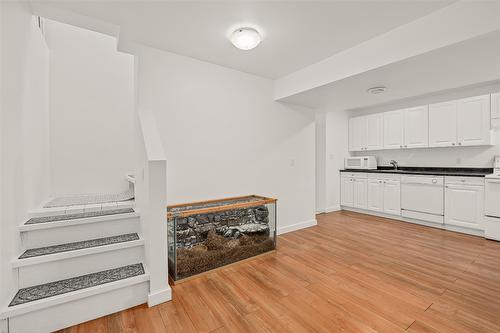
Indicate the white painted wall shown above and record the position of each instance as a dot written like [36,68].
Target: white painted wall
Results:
[225,136]
[438,157]
[24,129]
[320,119]
[91,106]
[336,135]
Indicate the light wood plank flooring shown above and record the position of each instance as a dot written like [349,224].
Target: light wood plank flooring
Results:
[351,273]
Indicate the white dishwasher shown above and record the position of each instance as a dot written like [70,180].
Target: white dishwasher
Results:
[422,197]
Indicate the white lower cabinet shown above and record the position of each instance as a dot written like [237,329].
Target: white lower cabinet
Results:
[464,198]
[379,193]
[464,202]
[384,193]
[392,197]
[360,193]
[347,191]
[353,190]
[375,195]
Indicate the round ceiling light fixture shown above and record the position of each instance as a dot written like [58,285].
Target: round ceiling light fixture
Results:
[245,38]
[376,90]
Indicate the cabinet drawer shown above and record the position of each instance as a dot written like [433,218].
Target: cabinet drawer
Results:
[384,176]
[464,180]
[353,175]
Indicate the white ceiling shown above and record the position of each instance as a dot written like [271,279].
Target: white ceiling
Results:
[296,34]
[472,62]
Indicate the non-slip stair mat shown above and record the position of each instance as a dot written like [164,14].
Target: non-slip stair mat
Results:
[87,199]
[41,251]
[45,219]
[42,291]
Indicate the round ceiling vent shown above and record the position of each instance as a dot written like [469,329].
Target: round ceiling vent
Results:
[376,90]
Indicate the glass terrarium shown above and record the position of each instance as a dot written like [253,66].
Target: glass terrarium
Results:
[210,234]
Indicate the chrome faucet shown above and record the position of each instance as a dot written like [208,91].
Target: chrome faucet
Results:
[394,164]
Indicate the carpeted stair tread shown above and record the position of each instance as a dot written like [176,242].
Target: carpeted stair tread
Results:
[51,289]
[41,251]
[56,218]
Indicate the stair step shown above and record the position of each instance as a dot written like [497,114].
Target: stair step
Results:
[69,217]
[43,291]
[42,251]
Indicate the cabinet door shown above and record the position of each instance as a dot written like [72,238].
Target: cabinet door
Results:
[464,206]
[360,193]
[416,130]
[443,124]
[495,105]
[393,129]
[374,131]
[375,195]
[473,121]
[392,197]
[347,191]
[357,134]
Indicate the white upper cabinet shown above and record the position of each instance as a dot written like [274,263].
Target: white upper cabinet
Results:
[416,127]
[365,133]
[495,106]
[407,128]
[357,134]
[473,121]
[463,122]
[393,129]
[443,124]
[375,132]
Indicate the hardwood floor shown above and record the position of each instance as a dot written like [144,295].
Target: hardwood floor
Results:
[351,273]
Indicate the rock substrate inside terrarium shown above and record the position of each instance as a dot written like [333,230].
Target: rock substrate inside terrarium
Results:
[219,251]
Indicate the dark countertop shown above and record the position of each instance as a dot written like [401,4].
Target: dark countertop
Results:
[461,172]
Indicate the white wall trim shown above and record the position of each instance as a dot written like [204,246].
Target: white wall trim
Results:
[398,218]
[160,297]
[297,226]
[4,326]
[332,209]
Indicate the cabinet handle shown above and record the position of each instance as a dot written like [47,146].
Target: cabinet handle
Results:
[406,146]
[460,143]
[401,146]
[453,143]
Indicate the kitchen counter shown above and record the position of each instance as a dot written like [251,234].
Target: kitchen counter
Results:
[460,172]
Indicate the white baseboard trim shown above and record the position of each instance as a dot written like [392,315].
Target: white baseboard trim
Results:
[297,226]
[442,226]
[159,297]
[332,209]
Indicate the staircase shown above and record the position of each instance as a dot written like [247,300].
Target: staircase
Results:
[77,266]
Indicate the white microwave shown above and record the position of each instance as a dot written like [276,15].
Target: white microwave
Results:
[360,162]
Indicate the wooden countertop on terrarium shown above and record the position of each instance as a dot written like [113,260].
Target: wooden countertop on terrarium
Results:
[217,205]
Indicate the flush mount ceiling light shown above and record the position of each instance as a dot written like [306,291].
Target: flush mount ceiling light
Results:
[245,38]
[376,90]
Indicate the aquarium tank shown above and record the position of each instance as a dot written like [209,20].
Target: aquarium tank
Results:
[206,235]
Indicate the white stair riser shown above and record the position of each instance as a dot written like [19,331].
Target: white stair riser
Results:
[75,233]
[53,211]
[71,313]
[63,269]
